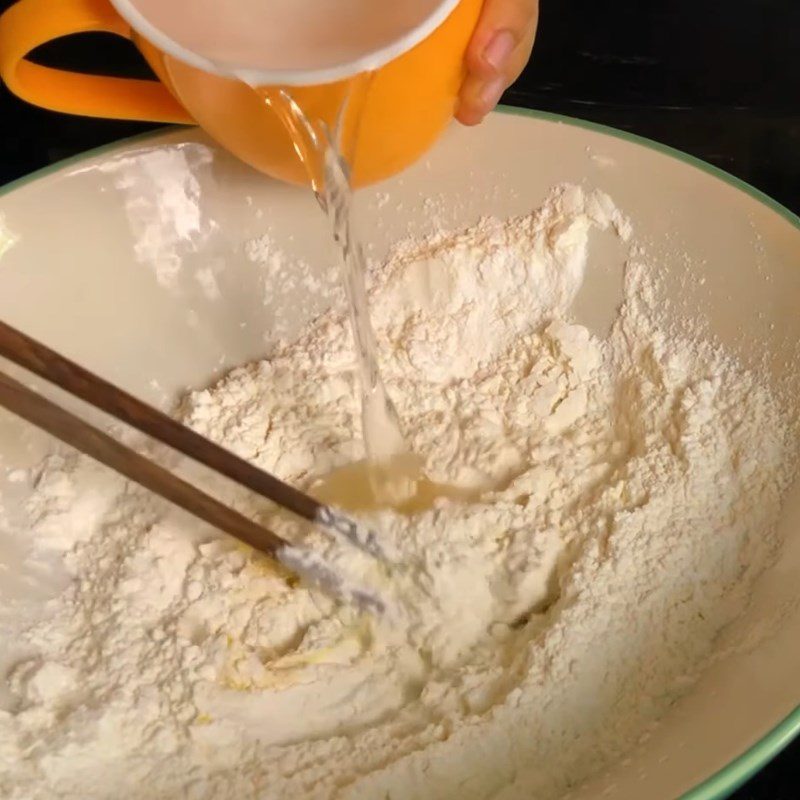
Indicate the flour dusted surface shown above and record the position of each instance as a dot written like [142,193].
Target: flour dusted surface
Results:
[629,489]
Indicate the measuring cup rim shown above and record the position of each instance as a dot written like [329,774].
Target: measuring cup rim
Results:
[288,77]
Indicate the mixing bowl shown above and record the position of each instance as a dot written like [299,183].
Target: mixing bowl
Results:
[107,258]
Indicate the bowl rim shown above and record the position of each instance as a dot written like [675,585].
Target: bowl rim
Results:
[721,784]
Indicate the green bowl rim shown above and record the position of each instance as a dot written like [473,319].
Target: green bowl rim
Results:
[724,782]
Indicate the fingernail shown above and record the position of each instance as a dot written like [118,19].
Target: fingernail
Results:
[491,93]
[499,49]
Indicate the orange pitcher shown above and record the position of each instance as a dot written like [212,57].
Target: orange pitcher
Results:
[208,54]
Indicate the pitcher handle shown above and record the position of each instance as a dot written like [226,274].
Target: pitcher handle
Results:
[30,23]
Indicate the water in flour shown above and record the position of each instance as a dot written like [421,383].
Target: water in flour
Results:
[629,492]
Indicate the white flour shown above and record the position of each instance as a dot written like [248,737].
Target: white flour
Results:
[630,489]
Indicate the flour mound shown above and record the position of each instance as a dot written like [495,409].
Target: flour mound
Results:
[627,492]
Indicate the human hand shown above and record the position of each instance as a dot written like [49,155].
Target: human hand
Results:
[497,54]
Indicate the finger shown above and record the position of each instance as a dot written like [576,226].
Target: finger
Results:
[497,54]
[478,97]
[503,38]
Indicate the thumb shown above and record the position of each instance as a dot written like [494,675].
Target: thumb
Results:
[497,54]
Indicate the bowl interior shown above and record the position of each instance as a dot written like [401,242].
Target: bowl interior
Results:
[138,263]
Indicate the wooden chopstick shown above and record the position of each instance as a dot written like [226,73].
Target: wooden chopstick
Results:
[72,430]
[78,381]
[75,380]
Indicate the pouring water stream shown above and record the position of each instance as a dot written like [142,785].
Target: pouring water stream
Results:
[392,470]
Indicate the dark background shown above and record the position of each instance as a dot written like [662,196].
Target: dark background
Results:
[720,80]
